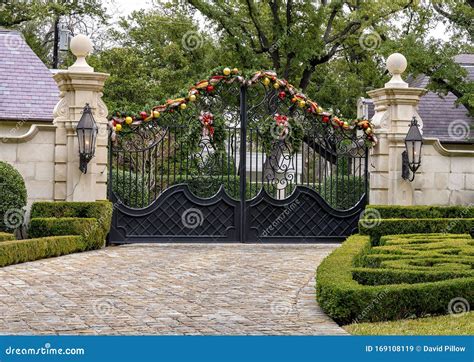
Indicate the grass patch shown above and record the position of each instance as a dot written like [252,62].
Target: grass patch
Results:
[439,325]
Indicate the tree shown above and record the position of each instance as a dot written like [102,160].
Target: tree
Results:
[39,22]
[297,37]
[155,56]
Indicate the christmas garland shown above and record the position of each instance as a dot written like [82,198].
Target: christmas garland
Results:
[121,121]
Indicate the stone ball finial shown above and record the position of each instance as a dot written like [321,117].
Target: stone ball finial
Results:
[396,65]
[81,47]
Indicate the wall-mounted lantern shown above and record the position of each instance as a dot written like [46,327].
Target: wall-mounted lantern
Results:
[411,157]
[87,135]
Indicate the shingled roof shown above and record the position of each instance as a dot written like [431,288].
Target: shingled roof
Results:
[438,112]
[27,90]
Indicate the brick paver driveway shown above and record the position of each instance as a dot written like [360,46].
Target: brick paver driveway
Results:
[168,289]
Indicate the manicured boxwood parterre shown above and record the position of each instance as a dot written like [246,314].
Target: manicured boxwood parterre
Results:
[347,301]
[378,228]
[423,212]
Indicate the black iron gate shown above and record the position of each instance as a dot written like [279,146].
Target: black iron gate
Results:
[241,164]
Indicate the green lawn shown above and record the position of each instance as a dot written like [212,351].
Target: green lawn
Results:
[441,325]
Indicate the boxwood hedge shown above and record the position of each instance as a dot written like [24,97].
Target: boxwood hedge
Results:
[20,251]
[380,227]
[59,228]
[90,220]
[6,236]
[423,212]
[348,301]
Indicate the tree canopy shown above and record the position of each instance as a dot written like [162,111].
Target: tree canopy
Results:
[332,50]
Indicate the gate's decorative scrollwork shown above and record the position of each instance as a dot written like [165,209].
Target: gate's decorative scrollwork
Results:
[244,145]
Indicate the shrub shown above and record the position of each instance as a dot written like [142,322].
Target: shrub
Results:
[130,188]
[13,197]
[346,301]
[6,236]
[91,220]
[423,212]
[343,192]
[20,251]
[412,259]
[409,226]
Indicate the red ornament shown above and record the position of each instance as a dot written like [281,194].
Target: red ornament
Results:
[143,115]
[281,119]
[210,88]
[325,119]
[282,95]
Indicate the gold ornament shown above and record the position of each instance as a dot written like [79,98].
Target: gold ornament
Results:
[276,85]
[235,71]
[192,98]
[301,103]
[182,106]
[266,81]
[156,114]
[226,71]
[118,127]
[129,120]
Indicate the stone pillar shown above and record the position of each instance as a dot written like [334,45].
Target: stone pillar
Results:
[395,105]
[79,85]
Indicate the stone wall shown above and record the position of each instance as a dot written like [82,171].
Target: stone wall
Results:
[29,147]
[446,176]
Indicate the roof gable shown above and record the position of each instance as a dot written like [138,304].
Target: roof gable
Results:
[27,89]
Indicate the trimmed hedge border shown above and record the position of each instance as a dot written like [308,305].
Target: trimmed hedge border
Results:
[423,212]
[59,228]
[91,220]
[347,301]
[410,226]
[6,236]
[20,251]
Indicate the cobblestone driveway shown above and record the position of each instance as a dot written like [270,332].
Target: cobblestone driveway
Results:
[168,289]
